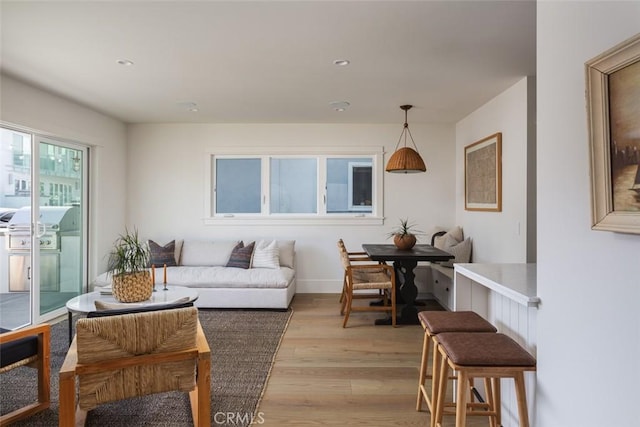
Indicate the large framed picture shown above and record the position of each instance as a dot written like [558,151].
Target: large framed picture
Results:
[483,174]
[613,114]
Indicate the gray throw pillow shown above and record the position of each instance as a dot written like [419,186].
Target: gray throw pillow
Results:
[241,256]
[161,255]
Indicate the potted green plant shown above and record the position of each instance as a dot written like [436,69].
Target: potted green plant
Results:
[404,235]
[128,262]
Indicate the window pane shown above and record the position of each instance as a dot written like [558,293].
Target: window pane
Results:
[294,187]
[349,185]
[238,187]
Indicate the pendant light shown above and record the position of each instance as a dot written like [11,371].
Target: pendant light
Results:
[406,159]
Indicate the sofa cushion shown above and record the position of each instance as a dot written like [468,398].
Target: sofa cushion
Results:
[224,277]
[266,255]
[206,253]
[220,277]
[241,255]
[161,255]
[17,350]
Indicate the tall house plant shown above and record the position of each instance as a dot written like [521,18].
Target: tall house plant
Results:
[128,261]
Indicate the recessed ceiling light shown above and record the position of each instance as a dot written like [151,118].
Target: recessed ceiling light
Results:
[125,62]
[339,106]
[341,62]
[189,106]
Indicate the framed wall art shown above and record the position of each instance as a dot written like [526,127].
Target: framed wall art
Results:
[483,174]
[613,114]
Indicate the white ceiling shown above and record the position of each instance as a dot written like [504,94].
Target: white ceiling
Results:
[271,61]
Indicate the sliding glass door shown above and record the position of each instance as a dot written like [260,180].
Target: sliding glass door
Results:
[60,223]
[44,242]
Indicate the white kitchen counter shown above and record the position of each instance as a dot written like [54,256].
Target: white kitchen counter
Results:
[514,281]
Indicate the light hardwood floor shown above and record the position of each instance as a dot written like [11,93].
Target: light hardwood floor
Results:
[363,375]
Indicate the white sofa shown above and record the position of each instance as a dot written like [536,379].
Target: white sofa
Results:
[203,265]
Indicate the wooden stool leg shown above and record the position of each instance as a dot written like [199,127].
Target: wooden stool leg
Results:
[461,400]
[523,413]
[497,402]
[490,401]
[437,399]
[436,364]
[423,371]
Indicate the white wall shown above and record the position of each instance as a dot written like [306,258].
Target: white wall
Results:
[36,110]
[166,186]
[500,236]
[588,281]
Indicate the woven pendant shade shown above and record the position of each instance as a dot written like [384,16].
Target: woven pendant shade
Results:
[405,159]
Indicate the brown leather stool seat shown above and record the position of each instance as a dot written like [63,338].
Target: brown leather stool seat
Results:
[482,355]
[434,323]
[454,321]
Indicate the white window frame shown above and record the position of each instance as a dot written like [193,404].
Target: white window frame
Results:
[320,218]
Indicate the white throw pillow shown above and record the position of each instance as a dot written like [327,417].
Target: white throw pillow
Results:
[287,252]
[460,250]
[266,255]
[455,233]
[434,230]
[178,250]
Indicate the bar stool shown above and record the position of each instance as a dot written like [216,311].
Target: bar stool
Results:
[434,323]
[482,355]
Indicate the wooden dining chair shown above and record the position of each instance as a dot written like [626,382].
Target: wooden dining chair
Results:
[369,281]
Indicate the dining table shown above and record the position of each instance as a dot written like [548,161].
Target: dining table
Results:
[404,264]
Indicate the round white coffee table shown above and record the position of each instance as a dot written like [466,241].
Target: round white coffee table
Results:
[86,302]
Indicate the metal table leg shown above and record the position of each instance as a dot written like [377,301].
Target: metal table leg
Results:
[70,318]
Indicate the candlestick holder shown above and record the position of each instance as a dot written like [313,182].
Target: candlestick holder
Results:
[164,280]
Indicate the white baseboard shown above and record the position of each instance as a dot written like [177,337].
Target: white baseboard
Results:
[318,286]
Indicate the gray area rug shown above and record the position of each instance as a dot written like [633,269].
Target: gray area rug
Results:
[243,346]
